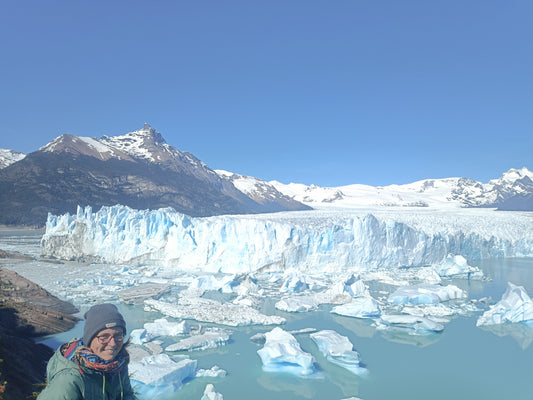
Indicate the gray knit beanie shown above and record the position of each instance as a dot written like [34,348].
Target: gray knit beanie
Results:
[99,317]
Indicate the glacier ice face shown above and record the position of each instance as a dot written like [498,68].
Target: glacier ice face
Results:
[514,306]
[307,241]
[339,350]
[159,376]
[282,353]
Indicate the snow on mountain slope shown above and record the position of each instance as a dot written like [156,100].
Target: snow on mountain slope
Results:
[8,157]
[426,193]
[260,191]
[433,193]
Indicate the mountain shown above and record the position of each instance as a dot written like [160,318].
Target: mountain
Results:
[261,192]
[138,169]
[8,157]
[513,191]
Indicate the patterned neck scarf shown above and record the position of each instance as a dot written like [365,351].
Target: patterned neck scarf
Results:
[85,358]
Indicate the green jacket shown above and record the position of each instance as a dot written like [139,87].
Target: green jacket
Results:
[66,381]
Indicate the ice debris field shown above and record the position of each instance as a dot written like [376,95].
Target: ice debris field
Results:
[394,268]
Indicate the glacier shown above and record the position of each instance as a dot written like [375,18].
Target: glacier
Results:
[390,267]
[307,241]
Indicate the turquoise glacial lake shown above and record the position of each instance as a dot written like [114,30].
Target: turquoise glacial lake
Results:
[463,362]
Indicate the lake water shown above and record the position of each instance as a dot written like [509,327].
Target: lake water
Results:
[462,362]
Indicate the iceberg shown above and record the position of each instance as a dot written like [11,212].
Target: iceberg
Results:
[297,304]
[315,240]
[457,267]
[282,353]
[210,394]
[425,294]
[207,310]
[514,306]
[213,372]
[211,339]
[416,324]
[160,327]
[339,350]
[158,375]
[360,307]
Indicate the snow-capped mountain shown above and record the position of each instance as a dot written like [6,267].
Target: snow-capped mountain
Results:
[8,157]
[512,191]
[259,190]
[138,169]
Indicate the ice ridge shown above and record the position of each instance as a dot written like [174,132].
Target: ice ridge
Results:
[244,244]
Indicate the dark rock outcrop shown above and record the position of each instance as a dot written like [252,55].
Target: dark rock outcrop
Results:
[26,312]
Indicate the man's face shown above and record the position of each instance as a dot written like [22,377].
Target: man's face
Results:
[107,343]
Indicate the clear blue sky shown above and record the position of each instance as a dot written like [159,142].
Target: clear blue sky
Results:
[327,92]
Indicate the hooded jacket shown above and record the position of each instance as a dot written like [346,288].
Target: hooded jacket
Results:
[68,381]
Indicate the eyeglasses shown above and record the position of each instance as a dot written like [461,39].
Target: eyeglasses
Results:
[106,338]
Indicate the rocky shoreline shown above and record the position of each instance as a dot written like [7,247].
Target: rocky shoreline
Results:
[27,311]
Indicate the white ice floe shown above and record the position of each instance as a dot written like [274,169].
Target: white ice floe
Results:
[159,376]
[210,394]
[137,294]
[294,283]
[210,339]
[360,307]
[213,372]
[297,304]
[207,310]
[160,327]
[209,282]
[514,306]
[282,353]
[416,324]
[457,267]
[342,291]
[425,294]
[339,350]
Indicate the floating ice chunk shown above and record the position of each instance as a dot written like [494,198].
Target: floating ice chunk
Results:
[352,286]
[425,294]
[339,350]
[206,310]
[159,376]
[294,284]
[214,372]
[137,294]
[514,306]
[419,325]
[360,307]
[297,304]
[208,340]
[209,282]
[210,394]
[160,327]
[457,267]
[282,353]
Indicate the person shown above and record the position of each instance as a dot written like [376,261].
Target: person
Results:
[94,367]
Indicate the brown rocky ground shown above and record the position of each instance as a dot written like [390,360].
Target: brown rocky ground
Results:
[26,312]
